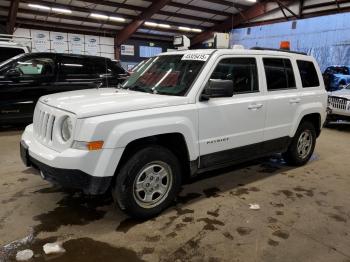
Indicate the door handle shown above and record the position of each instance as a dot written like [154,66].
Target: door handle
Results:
[255,106]
[295,101]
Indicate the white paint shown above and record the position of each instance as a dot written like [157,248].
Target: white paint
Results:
[119,117]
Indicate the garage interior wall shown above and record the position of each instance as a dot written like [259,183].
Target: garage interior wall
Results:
[43,41]
[127,61]
[327,38]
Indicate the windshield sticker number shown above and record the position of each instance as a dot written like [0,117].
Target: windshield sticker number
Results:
[197,57]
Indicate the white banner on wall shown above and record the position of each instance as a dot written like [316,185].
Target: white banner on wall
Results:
[59,42]
[41,40]
[127,50]
[92,45]
[76,44]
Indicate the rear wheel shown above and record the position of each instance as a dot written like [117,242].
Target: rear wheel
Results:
[302,146]
[148,182]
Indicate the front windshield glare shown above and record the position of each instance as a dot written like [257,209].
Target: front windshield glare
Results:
[167,75]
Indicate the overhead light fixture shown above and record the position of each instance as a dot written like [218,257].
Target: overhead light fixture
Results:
[99,16]
[42,7]
[151,24]
[118,19]
[196,30]
[183,28]
[61,10]
[164,25]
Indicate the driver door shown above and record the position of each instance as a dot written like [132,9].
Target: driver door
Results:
[23,84]
[231,128]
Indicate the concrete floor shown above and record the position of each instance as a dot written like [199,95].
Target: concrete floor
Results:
[304,214]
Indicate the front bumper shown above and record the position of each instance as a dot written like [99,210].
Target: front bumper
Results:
[90,171]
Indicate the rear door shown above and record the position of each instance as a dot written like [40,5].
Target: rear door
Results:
[75,73]
[283,101]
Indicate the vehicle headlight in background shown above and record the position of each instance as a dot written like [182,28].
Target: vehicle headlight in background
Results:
[66,129]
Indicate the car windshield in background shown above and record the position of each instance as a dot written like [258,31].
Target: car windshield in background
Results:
[167,75]
[338,70]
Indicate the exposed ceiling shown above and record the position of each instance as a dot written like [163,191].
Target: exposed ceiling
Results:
[157,19]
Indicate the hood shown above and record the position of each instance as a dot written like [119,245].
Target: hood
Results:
[344,93]
[94,102]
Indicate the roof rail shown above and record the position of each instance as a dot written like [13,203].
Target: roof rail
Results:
[279,50]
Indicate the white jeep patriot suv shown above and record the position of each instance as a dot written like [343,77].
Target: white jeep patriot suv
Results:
[178,115]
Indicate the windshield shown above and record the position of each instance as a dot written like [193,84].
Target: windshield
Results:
[167,75]
[338,70]
[10,60]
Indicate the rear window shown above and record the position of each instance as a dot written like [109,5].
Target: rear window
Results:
[8,52]
[279,74]
[308,73]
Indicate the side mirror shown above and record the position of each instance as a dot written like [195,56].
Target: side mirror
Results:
[12,73]
[217,88]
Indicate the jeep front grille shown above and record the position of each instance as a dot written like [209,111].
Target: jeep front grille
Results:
[338,103]
[43,125]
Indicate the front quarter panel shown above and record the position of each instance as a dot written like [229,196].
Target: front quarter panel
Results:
[118,130]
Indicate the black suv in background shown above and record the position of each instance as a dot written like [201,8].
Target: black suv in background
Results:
[25,78]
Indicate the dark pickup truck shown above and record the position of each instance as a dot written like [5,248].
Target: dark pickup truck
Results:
[26,77]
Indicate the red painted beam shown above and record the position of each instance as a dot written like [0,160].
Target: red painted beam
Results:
[11,20]
[138,22]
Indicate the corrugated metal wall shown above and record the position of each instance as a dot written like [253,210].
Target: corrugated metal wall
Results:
[327,38]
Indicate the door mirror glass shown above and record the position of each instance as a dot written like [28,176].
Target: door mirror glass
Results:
[219,88]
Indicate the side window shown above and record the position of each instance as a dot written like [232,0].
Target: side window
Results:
[42,66]
[279,74]
[102,66]
[308,73]
[242,71]
[75,66]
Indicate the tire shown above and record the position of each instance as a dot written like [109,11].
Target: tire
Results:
[148,182]
[298,156]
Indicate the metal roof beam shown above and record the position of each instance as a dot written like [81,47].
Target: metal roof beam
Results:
[11,18]
[138,22]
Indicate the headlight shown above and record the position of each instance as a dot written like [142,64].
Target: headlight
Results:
[67,127]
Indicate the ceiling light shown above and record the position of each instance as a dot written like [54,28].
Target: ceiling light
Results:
[164,25]
[150,24]
[196,30]
[99,16]
[118,19]
[39,7]
[183,28]
[61,10]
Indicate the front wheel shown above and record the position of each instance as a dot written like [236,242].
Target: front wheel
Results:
[302,146]
[148,182]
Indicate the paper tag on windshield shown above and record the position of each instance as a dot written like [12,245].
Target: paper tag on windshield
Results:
[194,56]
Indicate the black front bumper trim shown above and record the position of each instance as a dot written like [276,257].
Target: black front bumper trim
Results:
[67,178]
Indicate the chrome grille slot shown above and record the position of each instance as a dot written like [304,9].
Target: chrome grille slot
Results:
[338,103]
[43,125]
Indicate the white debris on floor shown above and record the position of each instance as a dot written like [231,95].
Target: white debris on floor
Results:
[53,248]
[24,255]
[254,206]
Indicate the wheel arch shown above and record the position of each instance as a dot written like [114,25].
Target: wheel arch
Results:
[175,142]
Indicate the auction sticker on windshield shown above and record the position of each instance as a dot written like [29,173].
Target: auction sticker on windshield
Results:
[194,56]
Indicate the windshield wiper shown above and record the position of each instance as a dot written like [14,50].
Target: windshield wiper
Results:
[141,89]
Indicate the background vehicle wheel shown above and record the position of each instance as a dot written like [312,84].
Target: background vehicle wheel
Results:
[148,182]
[302,146]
